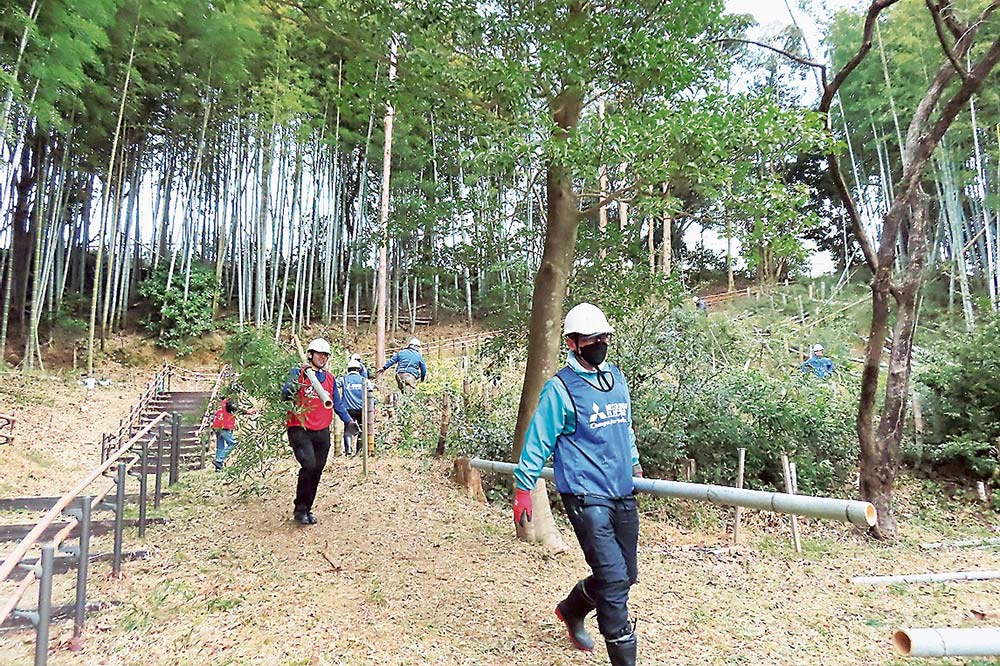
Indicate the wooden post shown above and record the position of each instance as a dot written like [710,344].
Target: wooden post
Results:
[810,291]
[790,489]
[918,423]
[802,311]
[445,420]
[364,430]
[465,375]
[739,484]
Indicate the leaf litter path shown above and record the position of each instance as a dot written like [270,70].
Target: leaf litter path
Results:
[403,569]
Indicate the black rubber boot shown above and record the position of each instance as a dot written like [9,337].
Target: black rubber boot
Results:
[571,611]
[621,650]
[300,518]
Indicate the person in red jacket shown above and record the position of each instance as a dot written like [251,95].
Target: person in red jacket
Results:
[309,425]
[224,424]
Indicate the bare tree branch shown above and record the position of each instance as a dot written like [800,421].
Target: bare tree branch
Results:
[935,11]
[833,87]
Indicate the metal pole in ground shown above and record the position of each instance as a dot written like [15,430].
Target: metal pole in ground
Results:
[44,605]
[175,447]
[116,562]
[82,568]
[143,463]
[161,434]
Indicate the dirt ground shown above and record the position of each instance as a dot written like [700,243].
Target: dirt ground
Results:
[59,424]
[415,573]
[403,569]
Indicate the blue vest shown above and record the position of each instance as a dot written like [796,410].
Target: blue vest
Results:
[354,390]
[596,459]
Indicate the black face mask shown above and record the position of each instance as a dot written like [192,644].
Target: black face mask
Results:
[594,354]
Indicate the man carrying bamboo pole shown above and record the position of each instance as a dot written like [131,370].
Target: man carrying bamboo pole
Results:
[584,419]
[309,423]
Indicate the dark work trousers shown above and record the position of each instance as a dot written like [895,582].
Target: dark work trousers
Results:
[608,532]
[350,435]
[311,447]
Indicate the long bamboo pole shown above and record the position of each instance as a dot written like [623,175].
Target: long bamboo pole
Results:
[855,512]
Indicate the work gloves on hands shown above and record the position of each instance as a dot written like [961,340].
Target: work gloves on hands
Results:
[522,507]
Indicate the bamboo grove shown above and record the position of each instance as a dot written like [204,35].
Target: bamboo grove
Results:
[245,140]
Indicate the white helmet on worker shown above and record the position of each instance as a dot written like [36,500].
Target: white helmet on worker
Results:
[319,345]
[353,364]
[356,357]
[414,342]
[586,319]
[817,347]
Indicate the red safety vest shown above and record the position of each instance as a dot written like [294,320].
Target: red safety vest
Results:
[224,419]
[312,414]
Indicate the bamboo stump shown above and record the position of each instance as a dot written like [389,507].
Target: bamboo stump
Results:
[469,479]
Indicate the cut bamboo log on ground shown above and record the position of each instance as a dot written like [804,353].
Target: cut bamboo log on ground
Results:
[943,577]
[861,514]
[947,642]
[970,543]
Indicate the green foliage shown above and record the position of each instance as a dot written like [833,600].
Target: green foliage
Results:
[174,319]
[263,368]
[685,405]
[962,403]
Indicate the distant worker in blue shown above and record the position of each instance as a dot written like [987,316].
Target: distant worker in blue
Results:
[353,387]
[584,420]
[364,369]
[818,364]
[410,366]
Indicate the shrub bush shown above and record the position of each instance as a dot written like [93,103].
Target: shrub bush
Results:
[174,319]
[961,398]
[687,405]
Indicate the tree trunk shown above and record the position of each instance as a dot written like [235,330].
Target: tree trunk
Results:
[551,282]
[383,237]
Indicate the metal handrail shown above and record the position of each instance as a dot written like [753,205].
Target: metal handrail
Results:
[127,426]
[14,558]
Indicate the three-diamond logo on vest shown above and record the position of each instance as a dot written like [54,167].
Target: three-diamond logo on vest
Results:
[614,412]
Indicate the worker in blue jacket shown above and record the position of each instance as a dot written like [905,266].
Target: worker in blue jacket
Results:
[584,420]
[410,366]
[363,368]
[817,364]
[352,385]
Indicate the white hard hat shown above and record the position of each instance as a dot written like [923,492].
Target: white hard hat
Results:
[319,345]
[817,347]
[356,357]
[413,343]
[586,319]
[353,364]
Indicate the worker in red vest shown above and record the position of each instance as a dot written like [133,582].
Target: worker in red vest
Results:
[224,424]
[309,425]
